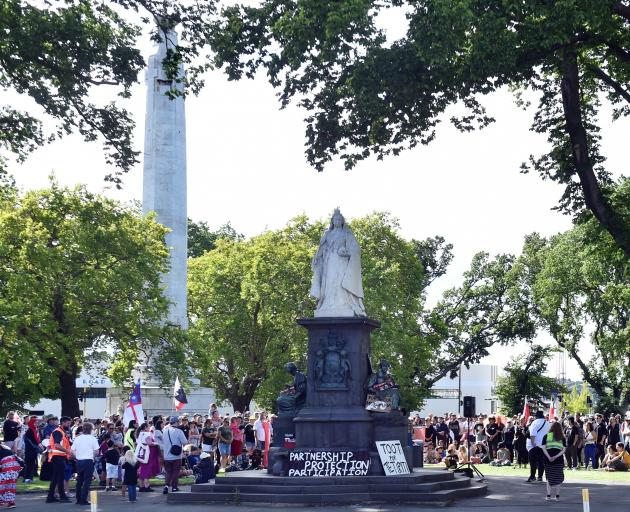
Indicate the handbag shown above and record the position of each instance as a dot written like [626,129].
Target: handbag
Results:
[142,454]
[142,450]
[176,449]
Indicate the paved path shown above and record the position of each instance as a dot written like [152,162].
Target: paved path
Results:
[506,494]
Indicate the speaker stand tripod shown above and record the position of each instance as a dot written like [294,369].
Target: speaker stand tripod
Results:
[470,467]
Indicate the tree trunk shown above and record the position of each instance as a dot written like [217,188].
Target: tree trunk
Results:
[68,390]
[593,197]
[241,402]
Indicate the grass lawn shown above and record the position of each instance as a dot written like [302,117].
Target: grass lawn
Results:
[569,476]
[39,486]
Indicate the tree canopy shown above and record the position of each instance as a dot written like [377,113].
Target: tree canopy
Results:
[525,377]
[202,239]
[579,287]
[366,95]
[80,287]
[58,52]
[245,295]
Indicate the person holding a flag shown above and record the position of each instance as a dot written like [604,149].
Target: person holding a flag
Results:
[134,416]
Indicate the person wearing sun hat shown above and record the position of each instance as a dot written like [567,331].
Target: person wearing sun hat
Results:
[250,435]
[204,469]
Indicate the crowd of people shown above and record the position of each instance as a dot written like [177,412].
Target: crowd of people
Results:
[126,457]
[547,445]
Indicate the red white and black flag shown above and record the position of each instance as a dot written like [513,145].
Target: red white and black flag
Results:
[179,395]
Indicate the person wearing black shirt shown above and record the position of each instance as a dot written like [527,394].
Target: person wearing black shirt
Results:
[521,435]
[442,432]
[184,426]
[614,433]
[431,433]
[602,434]
[453,425]
[573,439]
[508,438]
[130,478]
[250,436]
[493,433]
[11,430]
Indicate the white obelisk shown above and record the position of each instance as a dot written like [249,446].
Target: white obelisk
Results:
[164,185]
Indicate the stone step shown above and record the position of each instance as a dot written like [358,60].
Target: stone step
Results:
[442,497]
[248,488]
[256,478]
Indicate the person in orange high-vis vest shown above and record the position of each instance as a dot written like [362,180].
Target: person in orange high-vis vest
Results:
[58,453]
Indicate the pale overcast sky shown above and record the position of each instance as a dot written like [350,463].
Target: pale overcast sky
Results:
[246,165]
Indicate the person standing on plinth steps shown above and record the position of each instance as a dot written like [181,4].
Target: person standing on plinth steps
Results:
[537,431]
[553,447]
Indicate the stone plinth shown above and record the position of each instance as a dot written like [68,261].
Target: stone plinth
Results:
[334,415]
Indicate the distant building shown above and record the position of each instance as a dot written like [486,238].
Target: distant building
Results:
[99,398]
[479,381]
[93,390]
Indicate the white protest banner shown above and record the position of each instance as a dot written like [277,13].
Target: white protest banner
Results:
[392,458]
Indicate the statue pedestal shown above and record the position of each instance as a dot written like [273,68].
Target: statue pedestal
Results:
[334,416]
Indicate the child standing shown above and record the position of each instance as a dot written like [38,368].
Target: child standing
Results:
[121,464]
[111,465]
[130,479]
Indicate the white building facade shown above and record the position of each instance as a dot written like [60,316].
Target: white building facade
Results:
[479,381]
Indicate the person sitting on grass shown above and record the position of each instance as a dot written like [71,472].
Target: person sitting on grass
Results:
[610,453]
[432,455]
[620,461]
[451,458]
[255,461]
[462,454]
[503,457]
[204,469]
[441,452]
[480,453]
[193,456]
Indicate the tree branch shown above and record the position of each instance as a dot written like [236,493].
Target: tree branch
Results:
[608,80]
[618,51]
[593,196]
[622,9]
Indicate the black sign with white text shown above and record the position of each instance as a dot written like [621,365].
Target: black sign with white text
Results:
[328,463]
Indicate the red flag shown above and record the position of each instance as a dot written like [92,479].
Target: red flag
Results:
[526,413]
[179,395]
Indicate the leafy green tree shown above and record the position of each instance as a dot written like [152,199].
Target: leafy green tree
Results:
[59,51]
[366,95]
[245,295]
[202,239]
[487,309]
[579,283]
[80,287]
[575,401]
[525,377]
